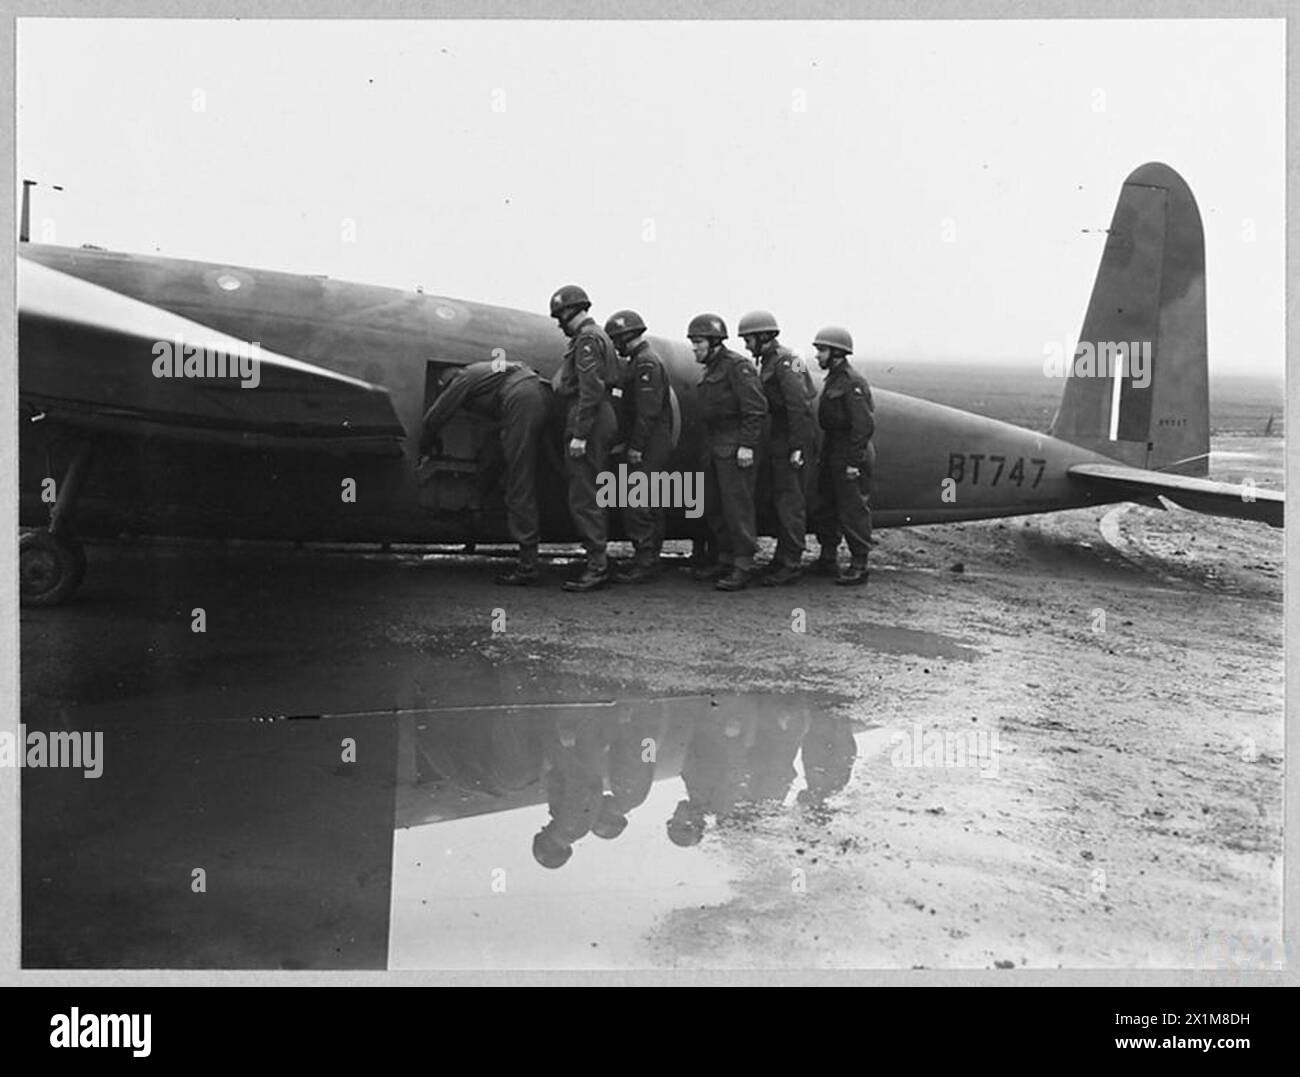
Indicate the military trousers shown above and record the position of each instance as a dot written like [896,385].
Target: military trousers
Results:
[729,507]
[843,508]
[786,488]
[645,525]
[584,472]
[524,413]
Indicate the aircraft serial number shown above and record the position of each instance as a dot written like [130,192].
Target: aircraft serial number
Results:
[989,470]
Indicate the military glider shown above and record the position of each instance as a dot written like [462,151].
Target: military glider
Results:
[137,416]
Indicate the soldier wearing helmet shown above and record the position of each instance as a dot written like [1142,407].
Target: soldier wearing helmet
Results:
[713,772]
[788,443]
[734,411]
[588,376]
[828,755]
[629,768]
[648,421]
[574,787]
[848,458]
[770,760]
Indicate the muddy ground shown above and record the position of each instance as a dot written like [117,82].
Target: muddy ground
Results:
[1127,661]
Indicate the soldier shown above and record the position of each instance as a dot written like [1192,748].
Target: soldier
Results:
[573,788]
[589,375]
[649,437]
[713,772]
[734,410]
[514,396]
[828,753]
[789,443]
[847,459]
[771,757]
[629,771]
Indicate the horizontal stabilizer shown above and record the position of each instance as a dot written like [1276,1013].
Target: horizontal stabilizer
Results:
[1200,495]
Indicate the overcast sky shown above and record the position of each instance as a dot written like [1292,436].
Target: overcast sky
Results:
[939,188]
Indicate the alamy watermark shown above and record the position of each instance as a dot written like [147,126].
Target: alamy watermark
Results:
[177,359]
[1105,359]
[633,489]
[62,748]
[918,747]
[77,1029]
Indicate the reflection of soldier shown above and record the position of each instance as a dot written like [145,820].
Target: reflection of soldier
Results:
[630,771]
[828,754]
[714,774]
[573,788]
[771,757]
[492,754]
[512,395]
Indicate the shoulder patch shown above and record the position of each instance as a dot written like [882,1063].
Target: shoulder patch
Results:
[645,377]
[858,389]
[798,365]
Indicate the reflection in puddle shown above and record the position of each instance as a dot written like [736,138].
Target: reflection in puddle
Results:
[556,835]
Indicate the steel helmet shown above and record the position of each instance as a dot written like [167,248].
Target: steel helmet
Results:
[758,321]
[549,851]
[568,297]
[609,822]
[709,326]
[835,337]
[624,323]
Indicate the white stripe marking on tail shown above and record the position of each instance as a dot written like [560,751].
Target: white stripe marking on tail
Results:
[1118,374]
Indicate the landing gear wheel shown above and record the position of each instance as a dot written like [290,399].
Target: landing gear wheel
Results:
[50,568]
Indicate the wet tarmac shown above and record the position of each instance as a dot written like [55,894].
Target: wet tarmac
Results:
[255,774]
[372,761]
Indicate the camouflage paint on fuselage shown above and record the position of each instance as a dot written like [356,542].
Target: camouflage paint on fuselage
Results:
[388,337]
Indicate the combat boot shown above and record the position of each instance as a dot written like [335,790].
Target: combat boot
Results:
[525,573]
[783,574]
[593,579]
[737,581]
[853,575]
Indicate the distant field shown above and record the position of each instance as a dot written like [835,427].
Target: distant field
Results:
[1019,393]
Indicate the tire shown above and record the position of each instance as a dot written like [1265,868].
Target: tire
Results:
[50,568]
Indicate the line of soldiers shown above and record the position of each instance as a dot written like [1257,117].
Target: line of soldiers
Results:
[735,765]
[758,421]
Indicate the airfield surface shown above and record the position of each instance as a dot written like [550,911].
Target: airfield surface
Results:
[1124,663]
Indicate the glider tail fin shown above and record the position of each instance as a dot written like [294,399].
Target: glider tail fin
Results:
[1138,387]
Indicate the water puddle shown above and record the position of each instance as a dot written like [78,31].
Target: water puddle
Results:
[558,835]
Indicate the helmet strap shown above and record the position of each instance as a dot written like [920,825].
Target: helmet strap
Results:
[627,343]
